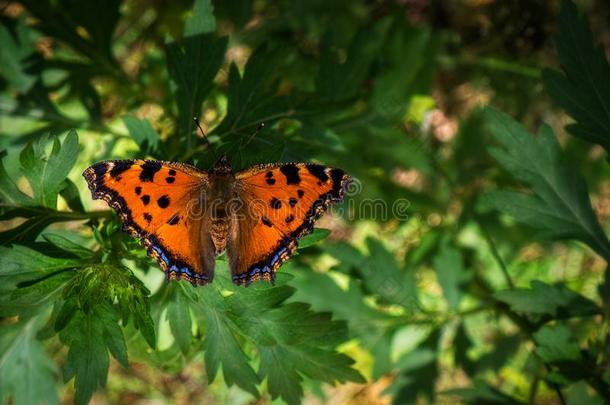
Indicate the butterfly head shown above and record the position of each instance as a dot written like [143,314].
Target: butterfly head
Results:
[222,166]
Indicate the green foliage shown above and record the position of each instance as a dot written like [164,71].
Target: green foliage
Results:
[25,363]
[582,89]
[429,271]
[559,204]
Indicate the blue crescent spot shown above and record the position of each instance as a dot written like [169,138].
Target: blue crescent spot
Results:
[175,269]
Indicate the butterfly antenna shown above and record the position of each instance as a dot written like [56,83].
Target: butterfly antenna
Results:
[258,129]
[204,135]
[241,146]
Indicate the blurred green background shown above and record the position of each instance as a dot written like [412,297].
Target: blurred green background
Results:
[468,263]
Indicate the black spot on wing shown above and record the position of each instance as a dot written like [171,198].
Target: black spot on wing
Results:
[138,190]
[163,201]
[300,193]
[119,167]
[270,181]
[318,172]
[172,172]
[267,222]
[289,218]
[149,168]
[269,174]
[145,199]
[174,219]
[291,172]
[292,201]
[276,204]
[170,179]
[147,217]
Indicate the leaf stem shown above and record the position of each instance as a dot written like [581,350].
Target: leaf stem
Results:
[496,254]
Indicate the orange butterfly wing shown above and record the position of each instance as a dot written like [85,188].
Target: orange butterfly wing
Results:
[159,202]
[281,204]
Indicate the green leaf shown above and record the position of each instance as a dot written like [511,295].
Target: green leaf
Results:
[252,99]
[202,20]
[299,346]
[19,263]
[462,344]
[316,236]
[383,276]
[90,335]
[222,348]
[99,283]
[71,195]
[285,335]
[556,343]
[33,297]
[179,315]
[142,132]
[344,68]
[543,299]
[284,364]
[583,89]
[68,245]
[451,275]
[9,192]
[559,206]
[28,374]
[13,55]
[192,68]
[420,372]
[46,172]
[482,393]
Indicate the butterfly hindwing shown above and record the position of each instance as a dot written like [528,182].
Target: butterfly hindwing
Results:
[281,202]
[158,202]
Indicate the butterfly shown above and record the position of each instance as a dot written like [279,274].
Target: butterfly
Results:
[186,217]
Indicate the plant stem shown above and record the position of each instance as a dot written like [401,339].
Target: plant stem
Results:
[496,254]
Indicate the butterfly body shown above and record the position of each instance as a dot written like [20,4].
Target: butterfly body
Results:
[186,217]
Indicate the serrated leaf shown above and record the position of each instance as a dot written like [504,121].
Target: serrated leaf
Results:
[283,365]
[560,205]
[252,98]
[179,316]
[583,88]
[19,263]
[46,172]
[543,299]
[28,374]
[192,68]
[90,335]
[556,343]
[291,334]
[221,348]
[142,132]
[33,298]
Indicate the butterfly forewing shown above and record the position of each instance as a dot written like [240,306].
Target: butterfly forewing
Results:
[281,202]
[160,202]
